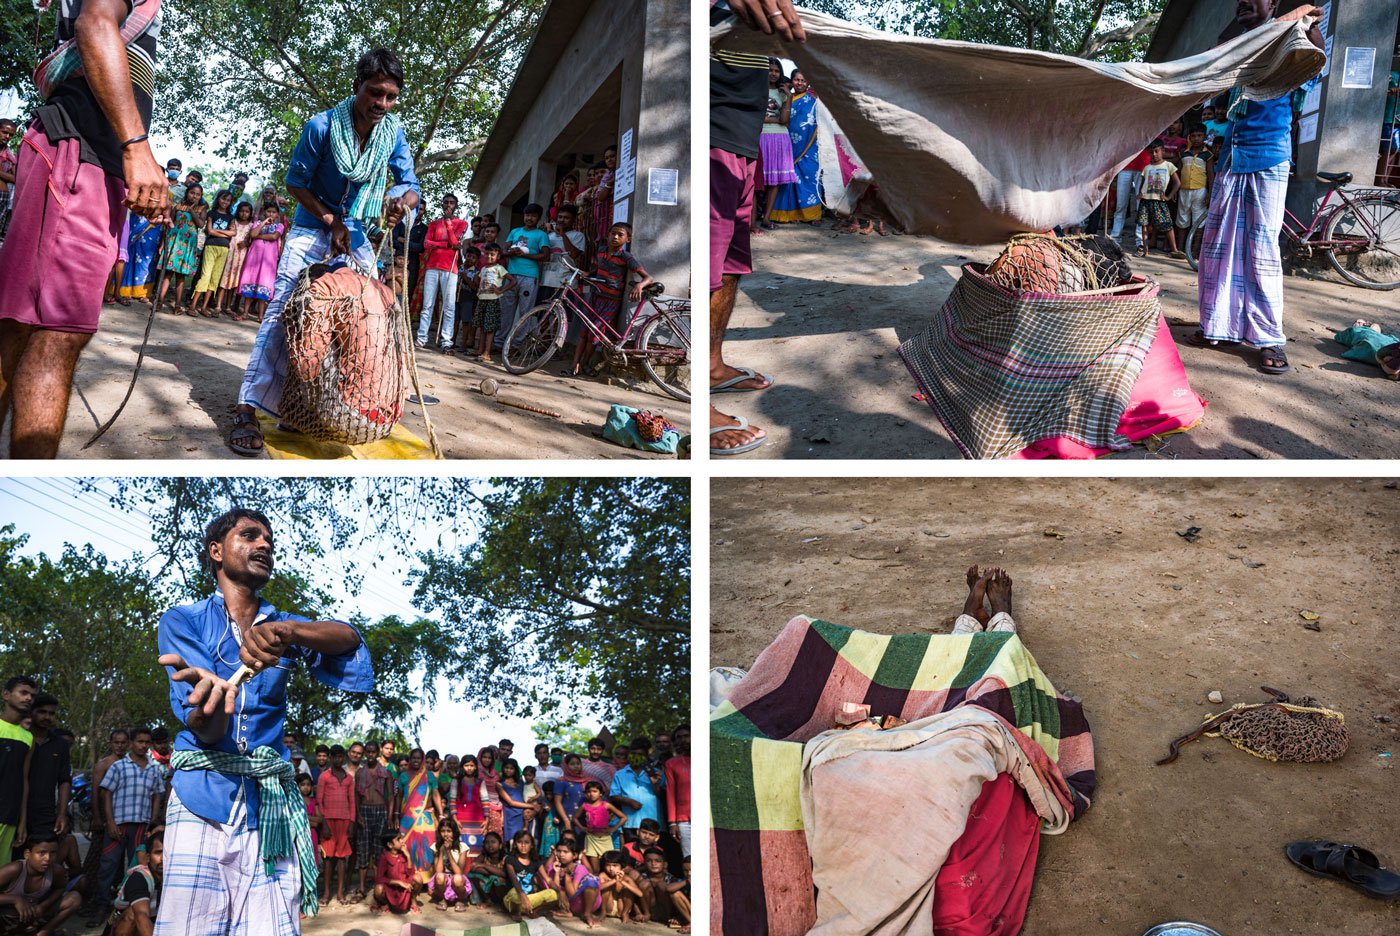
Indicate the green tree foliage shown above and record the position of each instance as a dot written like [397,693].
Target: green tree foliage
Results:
[575,588]
[19,26]
[1113,30]
[243,76]
[84,629]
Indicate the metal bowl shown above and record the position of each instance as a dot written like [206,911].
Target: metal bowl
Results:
[1180,929]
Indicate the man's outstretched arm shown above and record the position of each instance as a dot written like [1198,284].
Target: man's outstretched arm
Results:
[98,34]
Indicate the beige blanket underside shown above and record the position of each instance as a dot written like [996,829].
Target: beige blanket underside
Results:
[973,143]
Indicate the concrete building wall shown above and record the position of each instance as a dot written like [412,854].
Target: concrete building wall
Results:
[643,49]
[609,33]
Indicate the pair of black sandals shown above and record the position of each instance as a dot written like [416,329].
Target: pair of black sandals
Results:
[1271,360]
[1350,864]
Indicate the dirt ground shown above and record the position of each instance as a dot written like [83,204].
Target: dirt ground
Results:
[183,403]
[1141,624]
[825,313]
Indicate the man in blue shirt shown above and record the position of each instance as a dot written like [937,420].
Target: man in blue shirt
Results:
[216,877]
[1241,281]
[339,175]
[637,788]
[526,249]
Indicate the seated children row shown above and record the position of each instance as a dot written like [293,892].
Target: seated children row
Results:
[526,886]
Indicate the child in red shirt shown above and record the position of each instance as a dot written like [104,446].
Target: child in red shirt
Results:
[393,878]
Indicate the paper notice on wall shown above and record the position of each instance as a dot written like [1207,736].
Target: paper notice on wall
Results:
[1325,24]
[624,152]
[1327,50]
[621,210]
[663,186]
[1307,129]
[1358,68]
[626,181]
[1313,100]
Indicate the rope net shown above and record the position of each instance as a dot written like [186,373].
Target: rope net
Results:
[347,349]
[1304,732]
[1043,263]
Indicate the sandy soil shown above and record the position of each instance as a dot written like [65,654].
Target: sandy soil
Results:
[183,403]
[824,314]
[1142,625]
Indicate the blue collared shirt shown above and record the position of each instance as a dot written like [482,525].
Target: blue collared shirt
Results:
[204,636]
[313,167]
[636,785]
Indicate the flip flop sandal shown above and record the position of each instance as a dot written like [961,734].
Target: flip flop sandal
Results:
[740,449]
[245,426]
[1198,339]
[745,374]
[1351,864]
[1277,355]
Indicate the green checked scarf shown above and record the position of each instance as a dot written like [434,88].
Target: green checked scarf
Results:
[281,813]
[370,166]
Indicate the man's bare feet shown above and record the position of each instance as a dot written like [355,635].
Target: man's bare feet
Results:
[999,592]
[976,592]
[734,434]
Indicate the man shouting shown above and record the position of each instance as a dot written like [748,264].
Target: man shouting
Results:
[238,856]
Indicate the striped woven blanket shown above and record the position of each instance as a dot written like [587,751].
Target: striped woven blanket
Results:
[761,877]
[1003,370]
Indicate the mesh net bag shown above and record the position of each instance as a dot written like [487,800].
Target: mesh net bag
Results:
[347,357]
[1042,263]
[1302,732]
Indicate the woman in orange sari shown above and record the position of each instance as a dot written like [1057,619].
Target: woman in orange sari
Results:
[422,805]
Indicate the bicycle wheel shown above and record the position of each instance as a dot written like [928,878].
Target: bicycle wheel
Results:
[1369,232]
[534,339]
[666,339]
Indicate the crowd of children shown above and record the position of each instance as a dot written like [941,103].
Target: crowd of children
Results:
[475,285]
[570,835]
[1177,167]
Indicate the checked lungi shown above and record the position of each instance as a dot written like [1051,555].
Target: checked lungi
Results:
[1241,292]
[267,366]
[216,882]
[368,835]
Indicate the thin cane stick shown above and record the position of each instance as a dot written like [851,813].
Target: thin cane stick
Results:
[408,336]
[145,339]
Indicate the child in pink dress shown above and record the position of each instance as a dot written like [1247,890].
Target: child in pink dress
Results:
[260,266]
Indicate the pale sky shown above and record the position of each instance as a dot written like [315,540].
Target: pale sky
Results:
[51,514]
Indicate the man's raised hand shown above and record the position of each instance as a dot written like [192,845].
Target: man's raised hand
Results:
[210,693]
[769,16]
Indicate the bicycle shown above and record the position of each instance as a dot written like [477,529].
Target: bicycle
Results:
[1359,235]
[662,342]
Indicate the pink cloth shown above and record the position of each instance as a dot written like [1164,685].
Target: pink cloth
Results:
[260,266]
[985,883]
[64,222]
[1162,401]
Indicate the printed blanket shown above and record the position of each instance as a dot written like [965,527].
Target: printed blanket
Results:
[973,143]
[1003,370]
[761,872]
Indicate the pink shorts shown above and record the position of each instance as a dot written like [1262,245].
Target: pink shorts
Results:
[731,215]
[62,242]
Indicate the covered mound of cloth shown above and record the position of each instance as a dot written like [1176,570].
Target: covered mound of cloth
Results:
[1043,354]
[973,143]
[811,828]
[347,355]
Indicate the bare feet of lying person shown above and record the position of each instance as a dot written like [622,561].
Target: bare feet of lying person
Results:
[999,591]
[976,593]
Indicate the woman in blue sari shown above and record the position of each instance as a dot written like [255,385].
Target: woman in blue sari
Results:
[141,255]
[801,201]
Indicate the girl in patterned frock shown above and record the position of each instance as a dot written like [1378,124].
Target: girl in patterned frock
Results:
[181,253]
[240,237]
